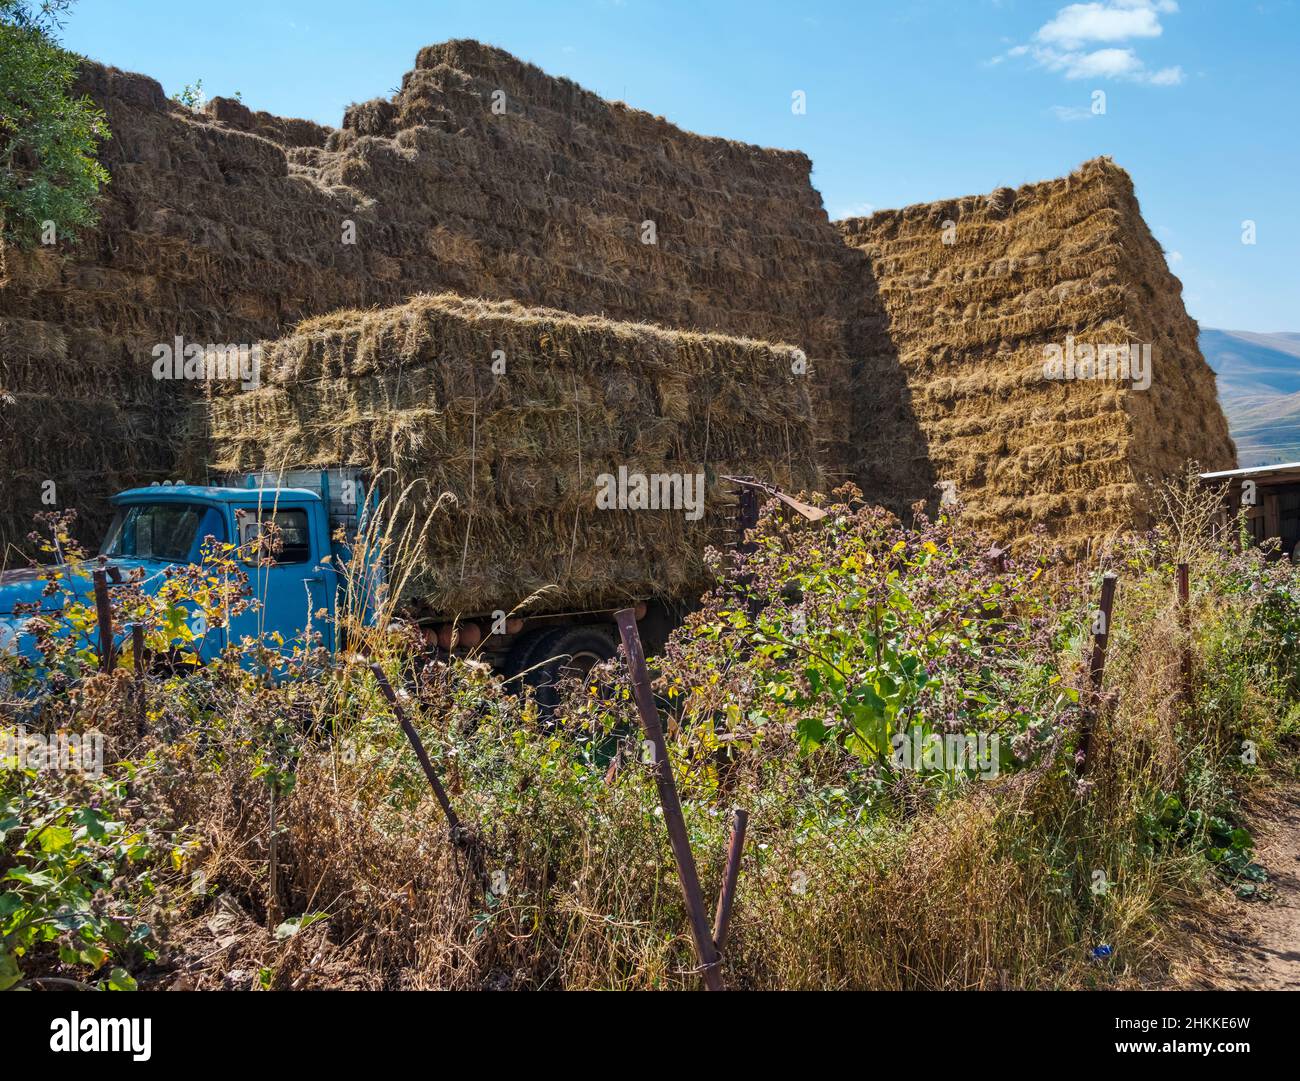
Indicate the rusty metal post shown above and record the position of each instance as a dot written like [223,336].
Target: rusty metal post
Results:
[746,518]
[705,950]
[273,912]
[440,793]
[137,651]
[104,614]
[1096,668]
[735,849]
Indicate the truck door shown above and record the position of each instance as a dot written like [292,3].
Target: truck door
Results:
[283,557]
[169,530]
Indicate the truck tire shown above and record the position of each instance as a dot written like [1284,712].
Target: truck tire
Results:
[559,653]
[520,656]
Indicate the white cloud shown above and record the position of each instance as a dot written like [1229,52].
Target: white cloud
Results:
[1111,20]
[1068,42]
[1167,76]
[1101,64]
[856,210]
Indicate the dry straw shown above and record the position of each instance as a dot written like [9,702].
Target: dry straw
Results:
[975,288]
[228,226]
[412,390]
[231,226]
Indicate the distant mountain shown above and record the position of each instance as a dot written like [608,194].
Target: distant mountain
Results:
[1259,387]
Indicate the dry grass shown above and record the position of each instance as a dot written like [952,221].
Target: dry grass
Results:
[985,887]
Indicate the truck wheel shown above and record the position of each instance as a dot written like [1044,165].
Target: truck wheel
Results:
[522,654]
[561,653]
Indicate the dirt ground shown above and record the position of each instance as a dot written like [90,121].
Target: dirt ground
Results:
[1254,945]
[1269,959]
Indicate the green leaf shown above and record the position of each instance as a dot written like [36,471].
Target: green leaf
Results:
[93,956]
[120,980]
[811,732]
[93,822]
[54,838]
[32,878]
[10,973]
[294,924]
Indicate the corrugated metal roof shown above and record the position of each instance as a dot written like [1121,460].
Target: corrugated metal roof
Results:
[1257,471]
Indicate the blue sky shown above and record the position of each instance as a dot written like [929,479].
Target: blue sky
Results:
[907,100]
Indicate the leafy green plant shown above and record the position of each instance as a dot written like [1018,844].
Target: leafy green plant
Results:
[49,175]
[874,637]
[295,924]
[190,95]
[75,880]
[1229,847]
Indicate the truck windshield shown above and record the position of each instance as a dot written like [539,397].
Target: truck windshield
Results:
[162,530]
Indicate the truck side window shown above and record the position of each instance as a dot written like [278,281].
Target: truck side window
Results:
[282,535]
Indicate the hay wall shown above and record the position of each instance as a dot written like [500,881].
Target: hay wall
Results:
[411,389]
[227,226]
[970,320]
[206,232]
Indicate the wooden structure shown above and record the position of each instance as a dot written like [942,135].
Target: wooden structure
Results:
[1270,496]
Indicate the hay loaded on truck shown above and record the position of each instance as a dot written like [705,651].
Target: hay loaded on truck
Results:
[533,471]
[317,575]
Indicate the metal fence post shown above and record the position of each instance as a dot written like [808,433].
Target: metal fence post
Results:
[440,793]
[104,615]
[735,849]
[1185,620]
[1096,669]
[705,948]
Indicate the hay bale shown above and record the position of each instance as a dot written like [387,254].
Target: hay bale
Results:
[225,225]
[412,389]
[970,320]
[82,445]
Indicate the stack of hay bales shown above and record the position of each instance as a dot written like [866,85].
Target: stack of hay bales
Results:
[413,389]
[975,290]
[228,226]
[74,418]
[484,176]
[526,186]
[521,185]
[205,232]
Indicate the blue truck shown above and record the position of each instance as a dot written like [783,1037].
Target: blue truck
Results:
[313,511]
